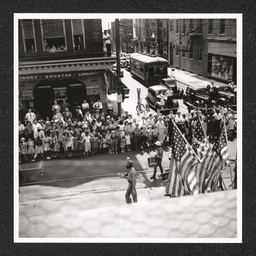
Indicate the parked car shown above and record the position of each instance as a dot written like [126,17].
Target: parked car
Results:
[199,96]
[171,82]
[153,98]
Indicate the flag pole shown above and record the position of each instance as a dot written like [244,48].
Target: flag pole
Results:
[228,162]
[186,141]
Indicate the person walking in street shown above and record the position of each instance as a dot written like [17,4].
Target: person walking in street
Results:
[159,157]
[131,178]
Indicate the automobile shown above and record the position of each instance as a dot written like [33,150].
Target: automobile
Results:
[115,70]
[153,98]
[199,96]
[171,82]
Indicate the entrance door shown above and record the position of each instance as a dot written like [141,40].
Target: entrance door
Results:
[76,95]
[44,98]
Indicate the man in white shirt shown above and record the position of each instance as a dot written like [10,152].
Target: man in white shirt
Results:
[98,106]
[36,126]
[30,116]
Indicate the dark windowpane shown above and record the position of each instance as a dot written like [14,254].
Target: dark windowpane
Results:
[222,26]
[210,26]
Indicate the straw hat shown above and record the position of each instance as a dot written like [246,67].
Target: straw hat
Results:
[22,139]
[158,143]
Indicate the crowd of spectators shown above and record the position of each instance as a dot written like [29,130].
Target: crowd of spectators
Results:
[88,130]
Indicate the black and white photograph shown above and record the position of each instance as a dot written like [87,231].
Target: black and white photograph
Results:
[128,128]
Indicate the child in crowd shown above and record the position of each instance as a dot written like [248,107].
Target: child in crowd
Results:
[104,145]
[87,144]
[31,149]
[122,144]
[23,149]
[128,141]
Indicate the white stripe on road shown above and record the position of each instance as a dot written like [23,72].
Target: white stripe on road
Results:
[69,179]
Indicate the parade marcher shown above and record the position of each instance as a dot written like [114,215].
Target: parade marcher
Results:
[159,157]
[131,178]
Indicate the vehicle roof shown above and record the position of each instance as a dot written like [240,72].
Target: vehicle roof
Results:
[147,59]
[158,87]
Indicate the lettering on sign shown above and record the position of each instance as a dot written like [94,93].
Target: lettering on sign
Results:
[59,75]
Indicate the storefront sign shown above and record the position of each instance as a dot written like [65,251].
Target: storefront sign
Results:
[58,76]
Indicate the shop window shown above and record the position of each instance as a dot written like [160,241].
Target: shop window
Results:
[222,26]
[210,26]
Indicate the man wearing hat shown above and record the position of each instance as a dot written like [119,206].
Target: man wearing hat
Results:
[131,178]
[158,156]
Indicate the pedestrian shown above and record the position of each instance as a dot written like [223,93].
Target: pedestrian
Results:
[158,157]
[31,149]
[107,42]
[122,144]
[131,178]
[23,149]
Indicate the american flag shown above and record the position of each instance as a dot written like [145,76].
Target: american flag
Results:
[183,159]
[216,162]
[200,142]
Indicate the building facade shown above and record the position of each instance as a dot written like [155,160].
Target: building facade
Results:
[206,47]
[61,59]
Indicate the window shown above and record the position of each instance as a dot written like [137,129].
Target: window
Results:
[183,51]
[78,37]
[177,26]
[53,34]
[210,26]
[200,25]
[191,25]
[28,36]
[184,26]
[177,49]
[200,51]
[171,25]
[222,26]
[191,52]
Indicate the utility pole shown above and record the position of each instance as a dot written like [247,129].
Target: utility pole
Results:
[119,96]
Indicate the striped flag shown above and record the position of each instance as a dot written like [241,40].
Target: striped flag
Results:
[216,162]
[183,159]
[200,142]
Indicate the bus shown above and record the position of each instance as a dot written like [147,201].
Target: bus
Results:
[150,70]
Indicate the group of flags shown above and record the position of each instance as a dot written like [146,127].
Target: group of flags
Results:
[196,168]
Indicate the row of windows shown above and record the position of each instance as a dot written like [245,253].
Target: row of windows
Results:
[190,52]
[53,35]
[188,26]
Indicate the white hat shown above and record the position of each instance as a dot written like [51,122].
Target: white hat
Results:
[158,143]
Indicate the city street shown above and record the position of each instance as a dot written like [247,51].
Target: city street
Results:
[93,183]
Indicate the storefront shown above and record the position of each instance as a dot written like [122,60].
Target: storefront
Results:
[222,61]
[38,91]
